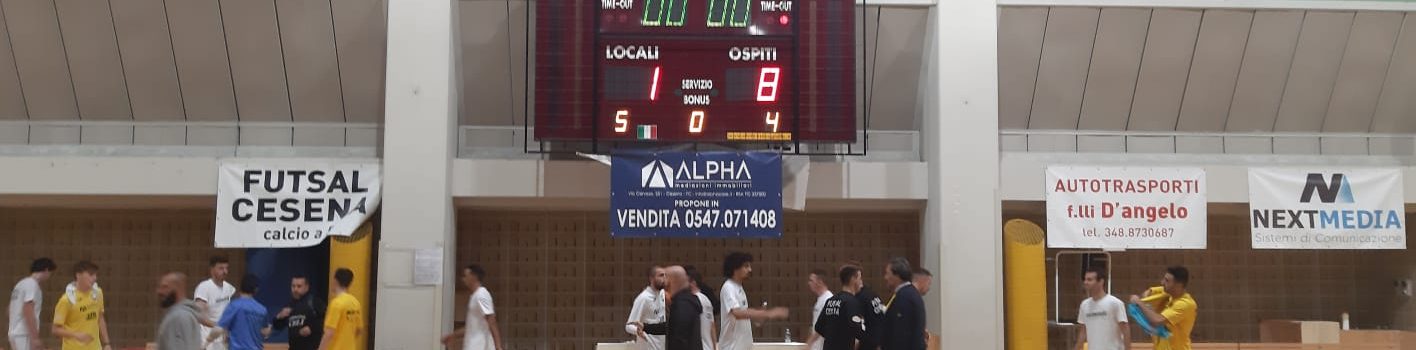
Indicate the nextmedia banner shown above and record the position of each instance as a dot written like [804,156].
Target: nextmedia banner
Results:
[292,204]
[687,194]
[1326,208]
[1126,208]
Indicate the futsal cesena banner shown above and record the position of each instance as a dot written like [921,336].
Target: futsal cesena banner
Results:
[288,204]
[1126,208]
[1294,208]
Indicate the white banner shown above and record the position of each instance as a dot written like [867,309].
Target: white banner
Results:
[287,204]
[1327,208]
[1126,208]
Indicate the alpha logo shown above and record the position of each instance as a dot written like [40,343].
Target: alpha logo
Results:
[1337,190]
[656,174]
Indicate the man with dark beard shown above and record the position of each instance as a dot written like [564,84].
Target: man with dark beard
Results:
[304,317]
[179,329]
[683,330]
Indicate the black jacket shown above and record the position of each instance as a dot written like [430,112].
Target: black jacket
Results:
[874,310]
[306,312]
[683,330]
[904,321]
[841,322]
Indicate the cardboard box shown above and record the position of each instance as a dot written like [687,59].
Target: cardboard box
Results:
[1304,332]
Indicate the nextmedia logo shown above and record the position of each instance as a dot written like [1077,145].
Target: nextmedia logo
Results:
[1328,190]
[1337,190]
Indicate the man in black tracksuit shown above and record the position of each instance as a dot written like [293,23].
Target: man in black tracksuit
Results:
[874,310]
[842,322]
[304,317]
[683,330]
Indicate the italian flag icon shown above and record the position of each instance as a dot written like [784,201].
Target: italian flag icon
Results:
[648,132]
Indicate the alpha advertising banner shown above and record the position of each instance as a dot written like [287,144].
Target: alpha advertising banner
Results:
[293,204]
[1294,208]
[696,194]
[1126,208]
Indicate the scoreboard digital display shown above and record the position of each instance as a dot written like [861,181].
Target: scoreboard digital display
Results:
[695,70]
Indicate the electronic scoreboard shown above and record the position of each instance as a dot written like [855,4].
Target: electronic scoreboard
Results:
[695,70]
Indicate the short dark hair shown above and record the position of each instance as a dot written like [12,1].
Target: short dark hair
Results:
[650,271]
[43,265]
[1100,273]
[476,270]
[900,267]
[250,283]
[734,261]
[85,266]
[217,259]
[848,273]
[923,271]
[821,275]
[344,277]
[693,274]
[299,276]
[1180,273]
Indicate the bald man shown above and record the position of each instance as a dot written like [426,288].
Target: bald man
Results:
[180,328]
[683,331]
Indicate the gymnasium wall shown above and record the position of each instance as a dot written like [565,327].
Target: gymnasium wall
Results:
[560,282]
[132,249]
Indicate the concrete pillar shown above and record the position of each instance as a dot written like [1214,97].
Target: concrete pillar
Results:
[421,101]
[962,232]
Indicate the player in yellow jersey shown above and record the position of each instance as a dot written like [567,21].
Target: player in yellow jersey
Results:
[344,322]
[1179,312]
[78,318]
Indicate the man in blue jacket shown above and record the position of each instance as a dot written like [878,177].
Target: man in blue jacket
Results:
[904,313]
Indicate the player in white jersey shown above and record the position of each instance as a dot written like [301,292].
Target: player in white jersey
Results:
[649,309]
[213,295]
[481,331]
[737,315]
[26,300]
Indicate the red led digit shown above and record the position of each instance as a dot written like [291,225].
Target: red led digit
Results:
[767,84]
[695,122]
[654,86]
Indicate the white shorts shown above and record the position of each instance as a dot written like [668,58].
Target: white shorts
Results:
[20,343]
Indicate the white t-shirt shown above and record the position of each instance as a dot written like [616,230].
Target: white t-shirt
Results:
[820,342]
[216,298]
[479,334]
[648,309]
[1102,319]
[707,320]
[735,334]
[27,290]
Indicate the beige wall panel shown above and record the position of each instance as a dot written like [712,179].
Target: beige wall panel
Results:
[94,61]
[311,66]
[1315,63]
[12,98]
[1020,31]
[359,27]
[1396,110]
[1267,58]
[257,65]
[1218,53]
[146,46]
[1062,73]
[1364,67]
[491,82]
[1111,82]
[898,69]
[39,56]
[202,64]
[1165,68]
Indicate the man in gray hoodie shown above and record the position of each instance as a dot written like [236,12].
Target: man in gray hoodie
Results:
[179,329]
